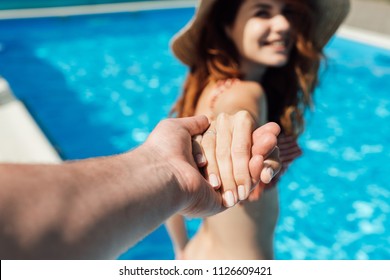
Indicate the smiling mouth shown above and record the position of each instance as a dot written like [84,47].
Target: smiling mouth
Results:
[278,43]
[281,44]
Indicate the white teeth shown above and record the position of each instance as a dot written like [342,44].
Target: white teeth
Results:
[278,43]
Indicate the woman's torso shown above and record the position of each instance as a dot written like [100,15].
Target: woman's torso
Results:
[246,230]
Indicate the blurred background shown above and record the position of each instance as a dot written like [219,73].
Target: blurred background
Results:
[80,79]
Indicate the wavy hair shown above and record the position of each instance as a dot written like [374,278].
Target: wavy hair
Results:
[288,88]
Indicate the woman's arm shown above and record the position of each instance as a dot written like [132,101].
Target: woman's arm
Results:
[176,228]
[243,95]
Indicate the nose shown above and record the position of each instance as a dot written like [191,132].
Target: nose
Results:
[281,24]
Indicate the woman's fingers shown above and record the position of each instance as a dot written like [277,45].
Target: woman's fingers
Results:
[224,159]
[241,152]
[237,159]
[209,146]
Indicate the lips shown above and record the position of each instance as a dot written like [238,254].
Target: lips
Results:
[278,44]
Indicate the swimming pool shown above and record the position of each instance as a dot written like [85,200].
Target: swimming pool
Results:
[26,4]
[98,84]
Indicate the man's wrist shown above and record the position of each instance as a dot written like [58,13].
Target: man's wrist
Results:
[157,176]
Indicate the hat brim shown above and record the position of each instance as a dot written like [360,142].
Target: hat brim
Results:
[185,42]
[329,14]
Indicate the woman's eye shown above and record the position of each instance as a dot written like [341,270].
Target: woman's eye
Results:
[263,14]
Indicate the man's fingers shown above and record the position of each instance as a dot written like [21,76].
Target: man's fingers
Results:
[256,164]
[197,151]
[194,125]
[264,144]
[256,192]
[271,167]
[271,127]
[210,203]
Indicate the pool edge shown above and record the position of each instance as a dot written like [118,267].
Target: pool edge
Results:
[95,9]
[347,31]
[364,36]
[25,142]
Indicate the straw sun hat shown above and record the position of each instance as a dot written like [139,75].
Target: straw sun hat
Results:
[330,14]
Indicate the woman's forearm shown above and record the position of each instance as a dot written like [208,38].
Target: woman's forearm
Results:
[178,232]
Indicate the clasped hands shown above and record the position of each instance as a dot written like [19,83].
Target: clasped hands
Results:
[236,159]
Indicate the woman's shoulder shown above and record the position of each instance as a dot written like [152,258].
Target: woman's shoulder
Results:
[232,85]
[240,90]
[236,95]
[243,88]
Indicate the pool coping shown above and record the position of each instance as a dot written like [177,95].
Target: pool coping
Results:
[95,9]
[358,34]
[364,36]
[25,141]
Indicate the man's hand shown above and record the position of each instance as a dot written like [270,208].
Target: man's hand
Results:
[171,142]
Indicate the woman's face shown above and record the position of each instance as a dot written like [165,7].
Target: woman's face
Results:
[262,32]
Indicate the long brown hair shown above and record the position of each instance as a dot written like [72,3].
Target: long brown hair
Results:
[288,88]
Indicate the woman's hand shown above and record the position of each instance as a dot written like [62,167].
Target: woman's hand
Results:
[235,160]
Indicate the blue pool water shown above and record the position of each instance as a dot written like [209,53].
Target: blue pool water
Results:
[27,4]
[98,85]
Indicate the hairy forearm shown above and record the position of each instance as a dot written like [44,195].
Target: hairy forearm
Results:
[87,209]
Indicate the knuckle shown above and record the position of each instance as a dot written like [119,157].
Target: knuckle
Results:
[243,115]
[241,149]
[222,117]
[245,122]
[269,139]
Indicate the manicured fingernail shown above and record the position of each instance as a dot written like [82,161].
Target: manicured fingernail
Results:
[241,192]
[229,199]
[200,159]
[214,181]
[270,172]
